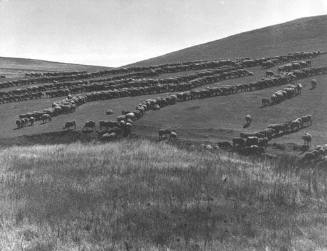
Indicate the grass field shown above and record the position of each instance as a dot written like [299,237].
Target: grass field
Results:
[138,195]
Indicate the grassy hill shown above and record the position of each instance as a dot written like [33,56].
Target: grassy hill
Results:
[141,195]
[211,119]
[298,35]
[137,194]
[18,66]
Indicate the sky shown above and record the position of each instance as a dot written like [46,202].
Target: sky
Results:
[119,32]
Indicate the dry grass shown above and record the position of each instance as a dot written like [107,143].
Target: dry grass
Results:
[138,195]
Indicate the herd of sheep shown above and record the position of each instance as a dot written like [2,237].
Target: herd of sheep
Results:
[257,141]
[137,81]
[62,106]
[77,82]
[317,154]
[294,65]
[282,95]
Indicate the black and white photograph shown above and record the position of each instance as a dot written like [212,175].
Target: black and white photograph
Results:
[163,125]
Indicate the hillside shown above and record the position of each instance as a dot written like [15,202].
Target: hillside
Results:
[140,195]
[210,119]
[13,66]
[298,35]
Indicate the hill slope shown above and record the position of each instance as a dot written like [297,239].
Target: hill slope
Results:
[302,34]
[11,65]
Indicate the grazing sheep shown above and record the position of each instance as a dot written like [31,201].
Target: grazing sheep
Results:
[31,120]
[124,112]
[263,142]
[265,102]
[224,145]
[108,124]
[121,118]
[253,149]
[252,141]
[299,88]
[269,74]
[308,157]
[109,112]
[208,147]
[89,124]
[45,118]
[69,125]
[130,115]
[108,136]
[307,138]
[165,133]
[238,142]
[307,120]
[127,129]
[19,123]
[173,135]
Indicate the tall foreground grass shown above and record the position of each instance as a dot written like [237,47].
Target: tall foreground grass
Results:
[138,195]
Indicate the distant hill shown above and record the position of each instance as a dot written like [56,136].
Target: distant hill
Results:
[301,34]
[14,65]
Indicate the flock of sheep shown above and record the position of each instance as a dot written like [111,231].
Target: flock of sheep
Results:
[78,82]
[69,104]
[282,95]
[317,154]
[256,142]
[294,65]
[137,81]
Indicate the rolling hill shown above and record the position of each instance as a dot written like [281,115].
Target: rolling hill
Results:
[15,66]
[138,194]
[298,35]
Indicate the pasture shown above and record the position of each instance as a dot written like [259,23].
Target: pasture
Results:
[201,120]
[140,195]
[71,189]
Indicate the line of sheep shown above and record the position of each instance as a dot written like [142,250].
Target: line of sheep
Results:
[109,130]
[282,95]
[53,74]
[69,104]
[273,61]
[80,76]
[255,143]
[159,69]
[186,95]
[140,110]
[257,140]
[128,83]
[294,65]
[64,106]
[65,88]
[127,72]
[33,92]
